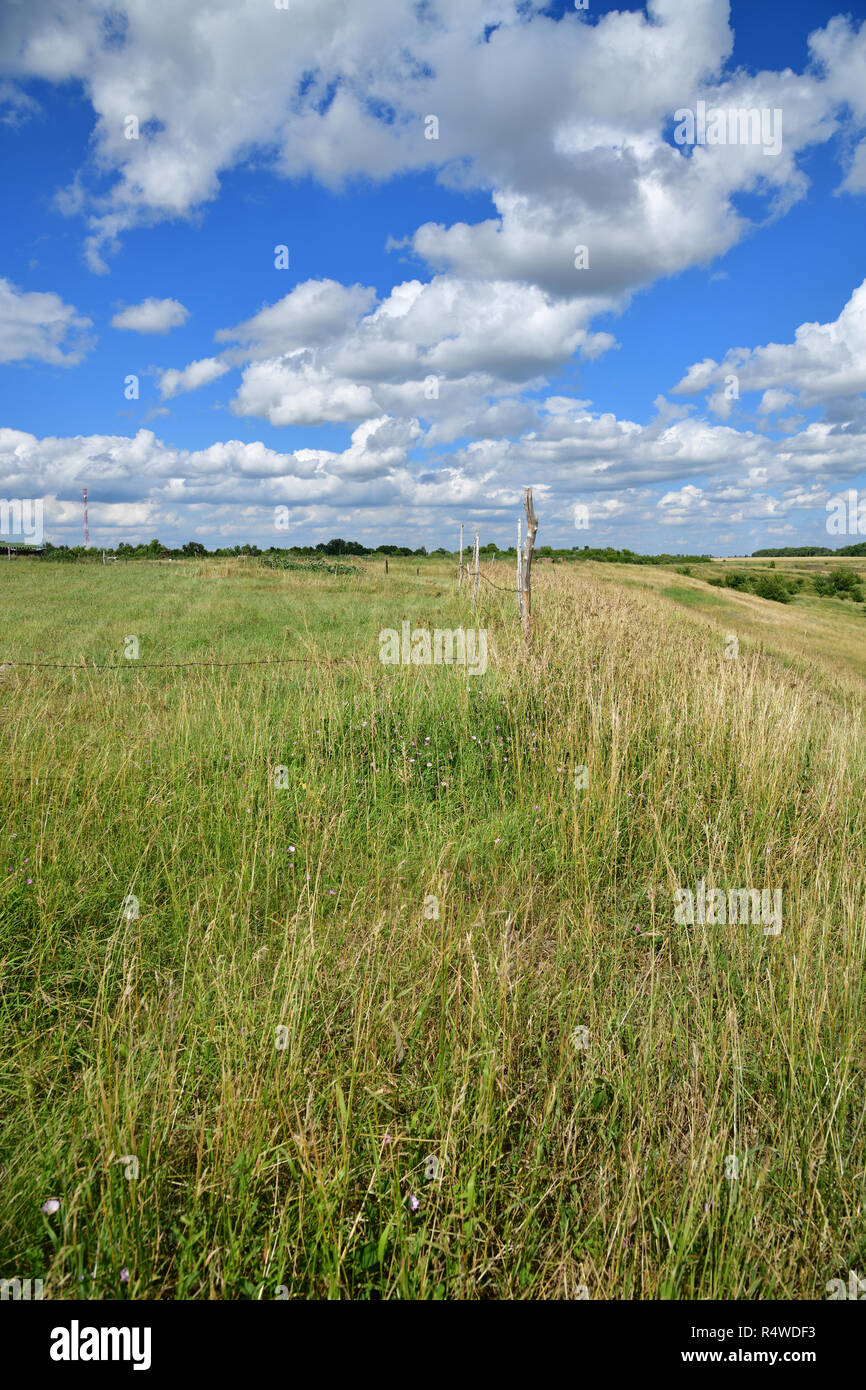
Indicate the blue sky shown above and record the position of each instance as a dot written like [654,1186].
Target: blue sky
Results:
[432,346]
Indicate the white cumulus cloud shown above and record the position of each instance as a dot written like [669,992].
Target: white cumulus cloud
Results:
[825,363]
[39,327]
[173,381]
[151,316]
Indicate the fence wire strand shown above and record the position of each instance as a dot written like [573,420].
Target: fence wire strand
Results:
[135,665]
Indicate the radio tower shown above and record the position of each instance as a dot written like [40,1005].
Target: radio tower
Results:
[86,528]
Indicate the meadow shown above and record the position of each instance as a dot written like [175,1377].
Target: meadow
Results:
[414,1018]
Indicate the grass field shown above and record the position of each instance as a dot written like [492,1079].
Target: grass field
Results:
[823,636]
[285,1036]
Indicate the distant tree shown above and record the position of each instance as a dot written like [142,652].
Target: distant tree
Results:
[341,547]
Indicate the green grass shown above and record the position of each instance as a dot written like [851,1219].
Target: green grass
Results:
[693,598]
[304,915]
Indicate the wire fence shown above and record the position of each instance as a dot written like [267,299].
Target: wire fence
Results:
[135,665]
[503,588]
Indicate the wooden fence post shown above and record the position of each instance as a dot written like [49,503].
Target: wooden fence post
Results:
[386,564]
[460,570]
[520,567]
[477,562]
[531,531]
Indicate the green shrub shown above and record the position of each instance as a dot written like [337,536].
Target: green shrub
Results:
[839,583]
[772,586]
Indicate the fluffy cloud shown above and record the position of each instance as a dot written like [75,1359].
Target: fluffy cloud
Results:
[336,91]
[634,480]
[583,157]
[172,382]
[118,468]
[311,315]
[41,328]
[826,363]
[327,353]
[151,316]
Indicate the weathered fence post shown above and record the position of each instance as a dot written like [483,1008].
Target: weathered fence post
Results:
[520,567]
[460,570]
[477,562]
[531,531]
[386,564]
